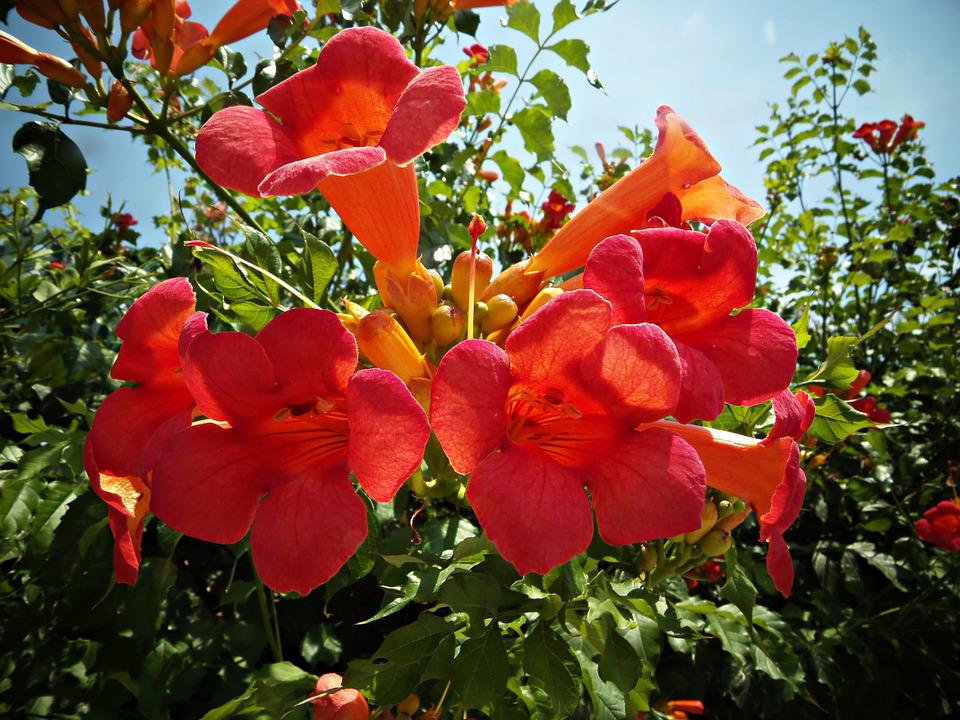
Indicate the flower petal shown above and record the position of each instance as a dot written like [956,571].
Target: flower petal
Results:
[425,115]
[302,176]
[150,331]
[755,352]
[615,271]
[467,402]
[780,564]
[701,390]
[350,93]
[239,146]
[694,279]
[680,159]
[231,377]
[207,483]
[714,198]
[306,529]
[382,209]
[652,487]
[128,418]
[634,372]
[388,432]
[792,415]
[312,354]
[534,510]
[548,346]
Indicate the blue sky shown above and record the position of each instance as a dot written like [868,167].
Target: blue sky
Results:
[714,61]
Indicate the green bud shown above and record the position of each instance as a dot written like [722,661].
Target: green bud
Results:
[724,508]
[716,542]
[447,293]
[708,518]
[437,282]
[647,558]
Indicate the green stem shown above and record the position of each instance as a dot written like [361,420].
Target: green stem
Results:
[272,638]
[70,121]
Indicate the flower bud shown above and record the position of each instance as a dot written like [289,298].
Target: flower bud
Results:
[385,343]
[437,281]
[460,277]
[447,323]
[45,13]
[118,102]
[737,516]
[541,299]
[716,542]
[501,311]
[345,704]
[516,282]
[708,517]
[132,13]
[647,558]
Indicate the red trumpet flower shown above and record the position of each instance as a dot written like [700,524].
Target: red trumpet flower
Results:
[292,422]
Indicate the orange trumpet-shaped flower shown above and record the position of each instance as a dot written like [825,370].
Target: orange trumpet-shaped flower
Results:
[385,343]
[15,52]
[680,169]
[764,473]
[45,13]
[245,18]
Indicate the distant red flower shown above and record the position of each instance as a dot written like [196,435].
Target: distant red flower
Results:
[556,209]
[346,704]
[124,221]
[940,525]
[216,212]
[557,411]
[56,265]
[478,53]
[676,709]
[299,422]
[165,34]
[688,283]
[133,422]
[886,136]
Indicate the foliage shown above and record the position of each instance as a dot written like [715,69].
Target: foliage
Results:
[860,249]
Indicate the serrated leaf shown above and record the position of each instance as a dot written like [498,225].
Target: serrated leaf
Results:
[554,92]
[551,665]
[837,369]
[57,168]
[573,52]
[564,13]
[503,58]
[413,642]
[619,662]
[511,170]
[524,17]
[481,103]
[836,420]
[535,128]
[481,669]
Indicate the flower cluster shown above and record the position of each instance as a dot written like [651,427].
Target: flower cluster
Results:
[940,525]
[568,403]
[885,136]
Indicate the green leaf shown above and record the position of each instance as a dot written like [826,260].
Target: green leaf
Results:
[573,52]
[801,328]
[511,170]
[552,666]
[535,128]
[413,642]
[230,98]
[262,252]
[275,690]
[57,168]
[564,13]
[230,62]
[838,369]
[481,669]
[524,17]
[503,58]
[466,21]
[619,662]
[738,589]
[482,102]
[554,92]
[836,420]
[474,593]
[317,266]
